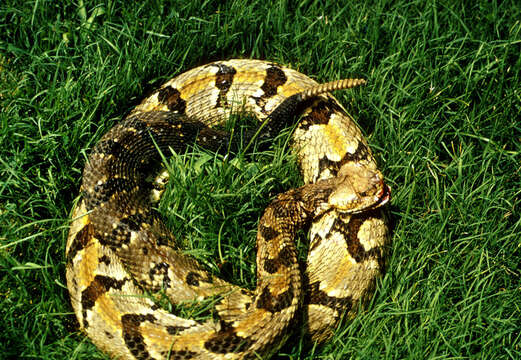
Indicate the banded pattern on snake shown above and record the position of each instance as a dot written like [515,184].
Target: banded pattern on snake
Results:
[118,249]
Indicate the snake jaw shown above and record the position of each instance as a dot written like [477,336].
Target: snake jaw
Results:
[358,188]
[354,203]
[384,197]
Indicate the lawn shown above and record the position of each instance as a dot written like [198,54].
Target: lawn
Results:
[442,113]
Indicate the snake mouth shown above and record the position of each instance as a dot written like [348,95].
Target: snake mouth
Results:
[354,196]
[380,199]
[384,196]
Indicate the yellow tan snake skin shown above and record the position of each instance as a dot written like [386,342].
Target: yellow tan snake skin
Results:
[118,249]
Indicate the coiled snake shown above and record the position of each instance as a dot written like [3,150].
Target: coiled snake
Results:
[118,250]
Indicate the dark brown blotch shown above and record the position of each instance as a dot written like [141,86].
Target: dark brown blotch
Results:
[267,232]
[105,260]
[174,330]
[99,286]
[287,256]
[172,99]
[316,296]
[275,77]
[179,354]
[80,241]
[265,300]
[273,304]
[361,153]
[319,115]
[285,299]
[223,82]
[193,278]
[227,342]
[132,334]
[271,266]
[224,76]
[159,272]
[354,246]
[350,228]
[324,163]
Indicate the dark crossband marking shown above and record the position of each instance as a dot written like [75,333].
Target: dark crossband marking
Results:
[275,77]
[324,163]
[267,232]
[223,82]
[193,278]
[227,341]
[105,260]
[132,334]
[316,296]
[267,301]
[172,99]
[174,330]
[354,246]
[121,234]
[284,259]
[159,273]
[80,241]
[350,231]
[99,286]
[179,355]
[271,266]
[320,114]
[361,153]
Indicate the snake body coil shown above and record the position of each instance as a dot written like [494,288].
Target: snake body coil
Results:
[118,249]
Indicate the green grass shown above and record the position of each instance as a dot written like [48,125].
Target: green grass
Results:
[442,112]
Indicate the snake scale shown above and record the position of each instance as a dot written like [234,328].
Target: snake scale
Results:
[119,252]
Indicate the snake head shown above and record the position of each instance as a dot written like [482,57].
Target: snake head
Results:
[359,188]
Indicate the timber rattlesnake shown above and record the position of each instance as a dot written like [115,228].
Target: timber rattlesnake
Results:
[118,249]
